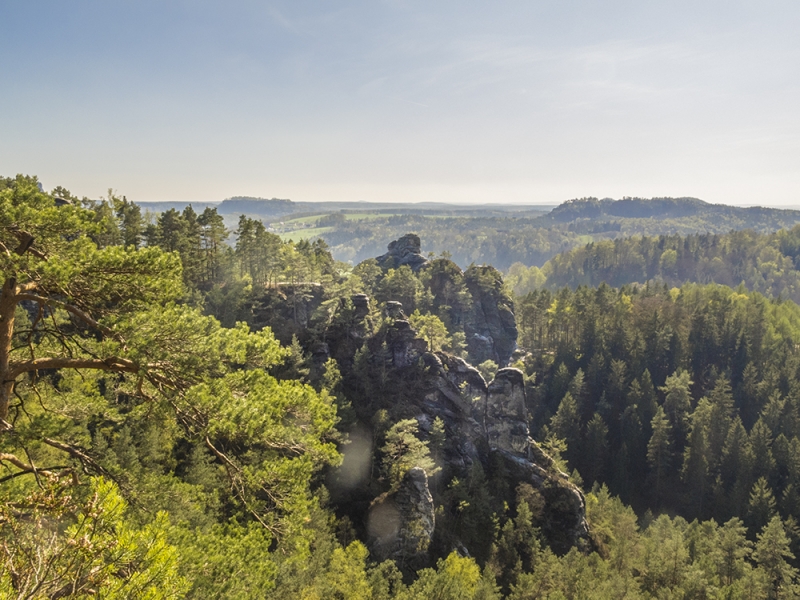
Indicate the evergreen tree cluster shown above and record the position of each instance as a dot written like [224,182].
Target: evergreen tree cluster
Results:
[763,262]
[157,441]
[684,400]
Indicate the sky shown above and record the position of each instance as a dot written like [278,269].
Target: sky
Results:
[526,102]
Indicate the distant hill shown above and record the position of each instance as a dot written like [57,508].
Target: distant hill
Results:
[159,207]
[663,209]
[257,206]
[276,207]
[632,208]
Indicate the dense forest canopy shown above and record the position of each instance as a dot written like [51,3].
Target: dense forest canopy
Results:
[766,263]
[194,411]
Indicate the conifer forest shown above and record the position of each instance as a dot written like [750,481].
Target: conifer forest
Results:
[194,405]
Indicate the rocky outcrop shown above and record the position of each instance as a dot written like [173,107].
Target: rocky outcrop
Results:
[287,309]
[563,518]
[360,306]
[488,318]
[404,251]
[394,310]
[403,344]
[506,415]
[400,525]
[490,325]
[484,424]
[496,417]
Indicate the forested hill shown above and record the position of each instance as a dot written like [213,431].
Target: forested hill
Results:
[532,240]
[673,209]
[767,263]
[184,417]
[499,235]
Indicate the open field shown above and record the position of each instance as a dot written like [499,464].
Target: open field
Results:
[362,216]
[304,234]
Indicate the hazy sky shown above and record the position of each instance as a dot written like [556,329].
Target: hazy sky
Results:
[532,102]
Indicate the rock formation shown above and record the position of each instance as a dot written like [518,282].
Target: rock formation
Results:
[287,309]
[484,424]
[506,417]
[360,306]
[400,525]
[481,419]
[488,318]
[404,251]
[404,345]
[394,310]
[490,325]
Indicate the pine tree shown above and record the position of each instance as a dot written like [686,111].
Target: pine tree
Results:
[403,450]
[761,507]
[659,451]
[695,468]
[719,421]
[677,404]
[595,450]
[565,425]
[773,555]
[761,443]
[733,549]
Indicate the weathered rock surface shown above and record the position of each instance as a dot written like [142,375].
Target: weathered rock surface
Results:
[506,417]
[490,325]
[404,345]
[495,417]
[400,525]
[482,422]
[360,306]
[287,309]
[394,310]
[488,318]
[404,251]
[563,521]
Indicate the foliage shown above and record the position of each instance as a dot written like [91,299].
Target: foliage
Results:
[149,450]
[105,374]
[764,262]
[403,451]
[54,544]
[431,329]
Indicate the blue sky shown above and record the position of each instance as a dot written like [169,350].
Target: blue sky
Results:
[529,102]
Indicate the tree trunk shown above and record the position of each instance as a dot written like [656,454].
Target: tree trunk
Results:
[8,305]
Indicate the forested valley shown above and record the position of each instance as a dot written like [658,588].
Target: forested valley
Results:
[188,411]
[495,234]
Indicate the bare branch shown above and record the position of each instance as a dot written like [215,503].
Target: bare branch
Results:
[28,471]
[26,240]
[5,457]
[80,454]
[83,316]
[234,474]
[27,287]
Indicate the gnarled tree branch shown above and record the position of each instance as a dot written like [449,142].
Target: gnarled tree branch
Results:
[120,365]
[83,316]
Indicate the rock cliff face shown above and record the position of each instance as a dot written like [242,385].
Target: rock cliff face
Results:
[490,325]
[404,345]
[401,524]
[480,420]
[506,416]
[405,251]
[287,309]
[488,318]
[485,424]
